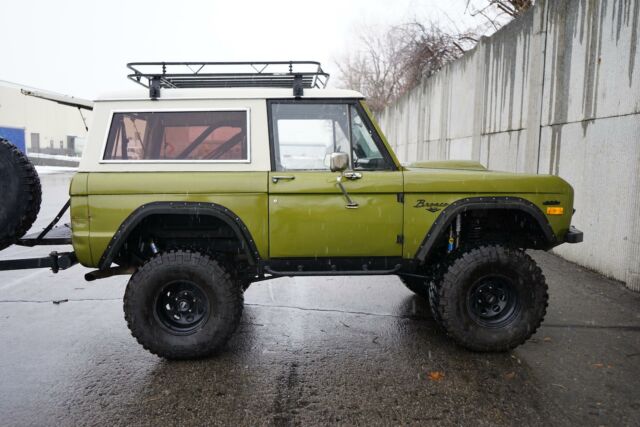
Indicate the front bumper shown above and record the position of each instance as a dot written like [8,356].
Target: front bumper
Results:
[573,235]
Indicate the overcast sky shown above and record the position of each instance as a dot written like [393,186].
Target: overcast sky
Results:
[80,47]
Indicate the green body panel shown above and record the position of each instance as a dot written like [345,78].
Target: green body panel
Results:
[418,220]
[186,183]
[79,212]
[308,215]
[488,182]
[78,185]
[114,196]
[441,187]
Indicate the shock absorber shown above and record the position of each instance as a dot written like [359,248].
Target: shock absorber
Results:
[153,247]
[454,237]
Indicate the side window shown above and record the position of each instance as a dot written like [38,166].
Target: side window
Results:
[178,136]
[305,134]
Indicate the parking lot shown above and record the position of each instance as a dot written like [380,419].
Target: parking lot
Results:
[312,351]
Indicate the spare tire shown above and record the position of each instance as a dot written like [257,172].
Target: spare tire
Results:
[20,194]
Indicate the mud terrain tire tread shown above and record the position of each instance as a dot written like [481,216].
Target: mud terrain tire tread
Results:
[225,298]
[451,298]
[433,291]
[21,194]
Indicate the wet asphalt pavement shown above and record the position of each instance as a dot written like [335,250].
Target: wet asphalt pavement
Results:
[318,350]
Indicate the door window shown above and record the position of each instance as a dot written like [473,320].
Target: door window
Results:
[305,134]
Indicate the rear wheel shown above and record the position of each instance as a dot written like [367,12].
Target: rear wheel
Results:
[20,191]
[182,305]
[491,298]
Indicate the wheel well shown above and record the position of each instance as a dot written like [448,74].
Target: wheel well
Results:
[163,232]
[206,227]
[513,227]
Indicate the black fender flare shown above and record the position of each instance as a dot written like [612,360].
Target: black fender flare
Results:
[179,208]
[448,215]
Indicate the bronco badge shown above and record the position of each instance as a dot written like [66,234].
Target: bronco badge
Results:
[430,206]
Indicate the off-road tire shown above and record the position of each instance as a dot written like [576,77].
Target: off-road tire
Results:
[416,285]
[224,302]
[457,313]
[20,191]
[433,287]
[433,299]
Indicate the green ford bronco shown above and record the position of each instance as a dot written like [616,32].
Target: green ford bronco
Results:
[215,178]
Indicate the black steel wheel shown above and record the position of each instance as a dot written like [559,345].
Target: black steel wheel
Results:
[182,305]
[491,298]
[493,301]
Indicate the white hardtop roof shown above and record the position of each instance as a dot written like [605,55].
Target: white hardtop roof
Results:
[228,93]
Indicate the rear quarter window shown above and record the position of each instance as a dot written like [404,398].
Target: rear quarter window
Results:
[215,136]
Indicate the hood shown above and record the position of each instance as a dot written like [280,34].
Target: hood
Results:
[471,177]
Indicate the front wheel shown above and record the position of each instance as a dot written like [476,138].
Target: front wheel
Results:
[491,298]
[416,285]
[182,305]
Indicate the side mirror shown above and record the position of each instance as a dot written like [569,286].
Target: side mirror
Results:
[338,162]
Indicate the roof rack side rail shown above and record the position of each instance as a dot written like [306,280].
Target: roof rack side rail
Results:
[297,75]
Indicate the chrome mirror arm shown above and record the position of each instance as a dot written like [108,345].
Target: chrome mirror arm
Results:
[350,203]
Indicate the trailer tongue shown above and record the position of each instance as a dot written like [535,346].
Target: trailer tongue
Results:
[56,261]
[51,235]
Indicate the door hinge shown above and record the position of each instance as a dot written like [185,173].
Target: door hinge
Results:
[400,239]
[400,197]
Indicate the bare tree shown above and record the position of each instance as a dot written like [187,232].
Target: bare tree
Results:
[391,62]
[494,11]
[514,8]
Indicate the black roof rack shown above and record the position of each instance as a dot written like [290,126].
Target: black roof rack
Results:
[275,74]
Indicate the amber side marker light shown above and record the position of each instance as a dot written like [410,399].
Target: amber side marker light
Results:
[555,210]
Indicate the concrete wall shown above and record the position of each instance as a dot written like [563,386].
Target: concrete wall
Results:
[554,92]
[52,121]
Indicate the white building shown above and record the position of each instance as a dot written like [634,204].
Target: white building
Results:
[42,128]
